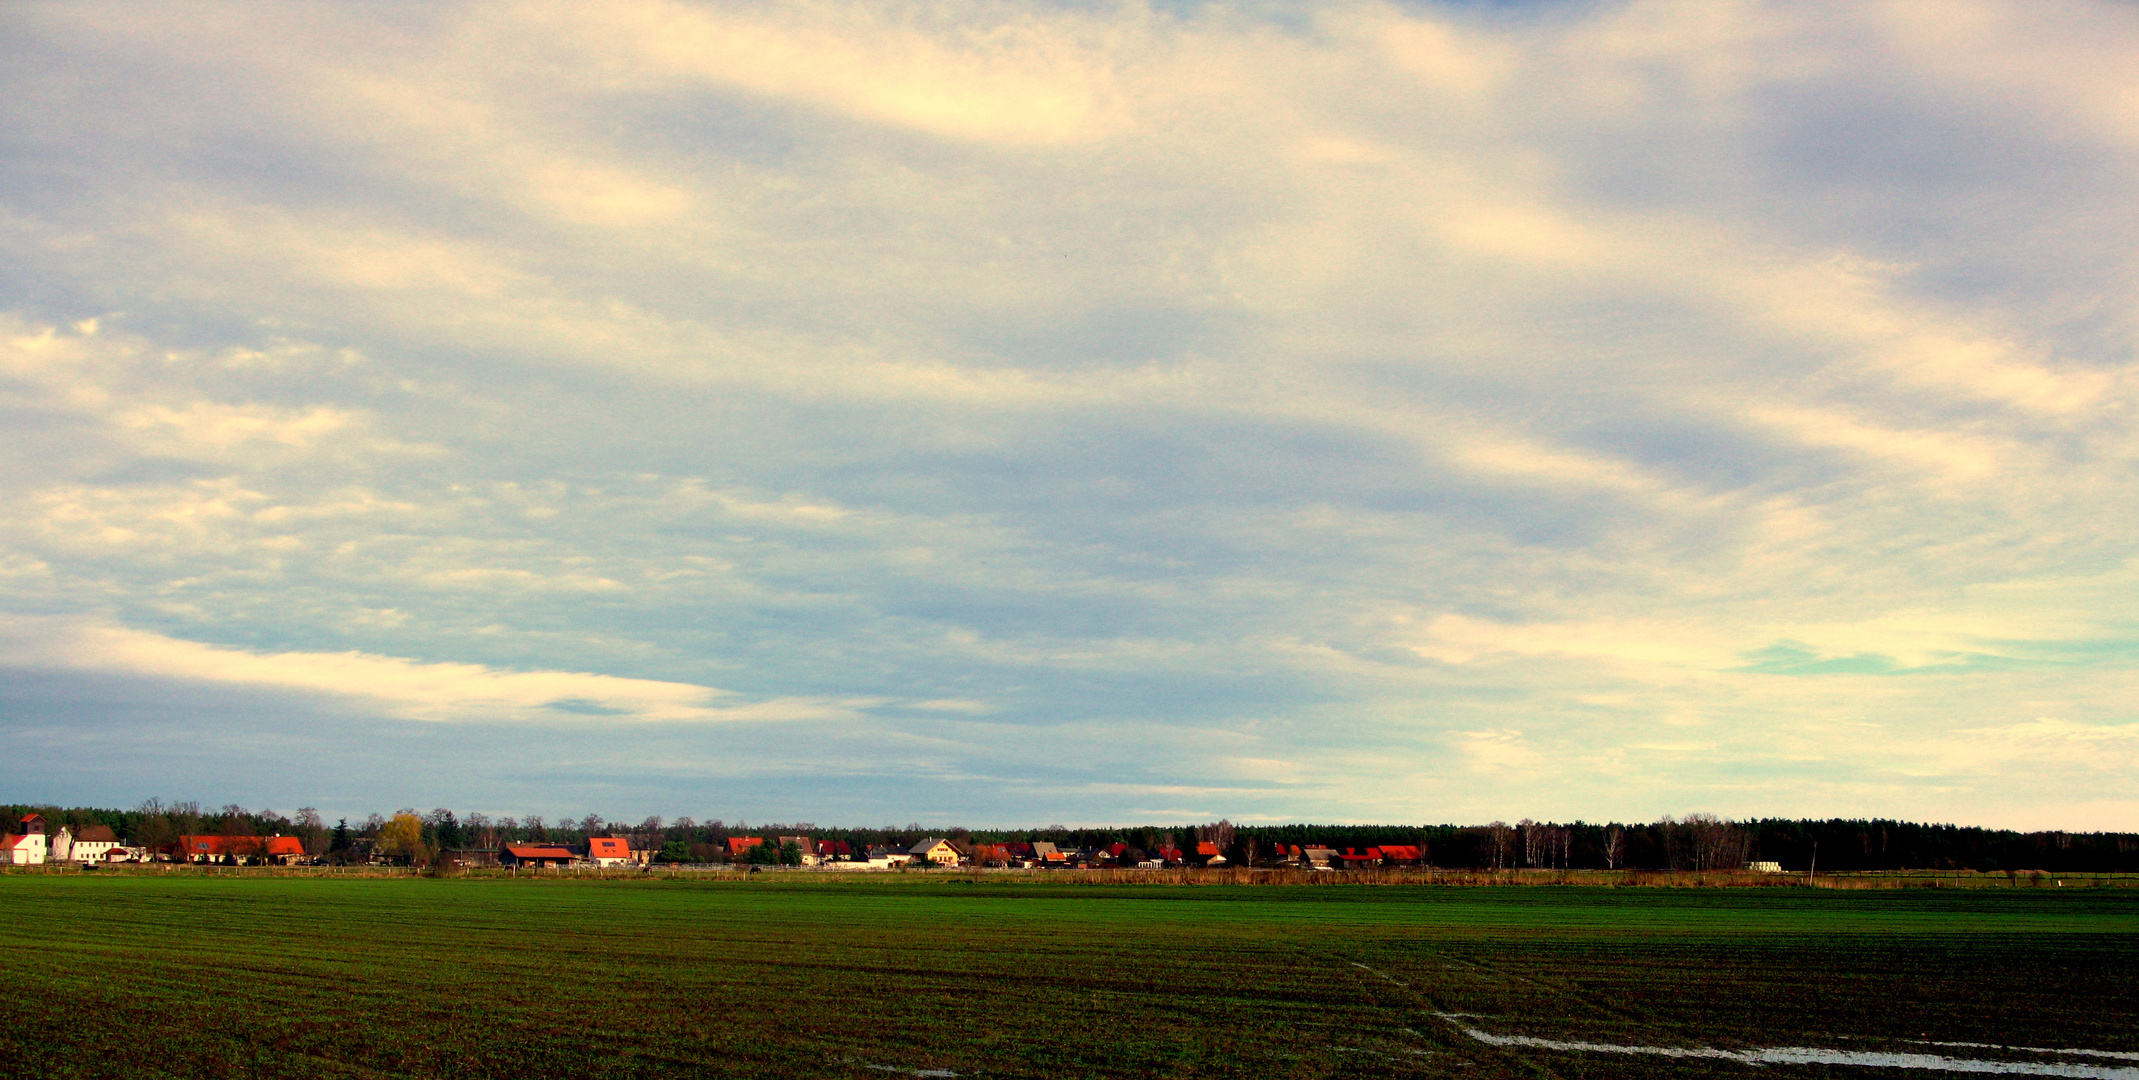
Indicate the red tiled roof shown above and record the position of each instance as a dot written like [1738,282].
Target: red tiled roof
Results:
[250,846]
[739,844]
[538,851]
[1205,847]
[608,847]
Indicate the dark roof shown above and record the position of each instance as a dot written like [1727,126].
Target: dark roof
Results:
[97,834]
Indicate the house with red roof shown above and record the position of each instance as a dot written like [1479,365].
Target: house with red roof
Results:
[536,856]
[739,844]
[237,850]
[26,847]
[1207,854]
[607,851]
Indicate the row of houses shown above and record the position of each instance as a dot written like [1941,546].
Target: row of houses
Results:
[98,845]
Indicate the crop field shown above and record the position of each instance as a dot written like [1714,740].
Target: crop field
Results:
[792,975]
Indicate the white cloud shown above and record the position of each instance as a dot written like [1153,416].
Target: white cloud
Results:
[409,689]
[1692,388]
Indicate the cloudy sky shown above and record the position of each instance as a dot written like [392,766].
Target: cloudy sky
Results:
[1060,412]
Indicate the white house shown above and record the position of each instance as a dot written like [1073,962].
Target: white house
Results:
[610,851]
[92,845]
[26,847]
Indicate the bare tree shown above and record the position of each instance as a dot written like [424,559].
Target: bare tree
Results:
[1219,832]
[310,830]
[1503,841]
[1715,844]
[1615,847]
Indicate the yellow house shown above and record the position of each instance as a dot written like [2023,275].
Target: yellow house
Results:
[936,850]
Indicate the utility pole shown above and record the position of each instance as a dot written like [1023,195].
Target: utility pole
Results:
[1815,867]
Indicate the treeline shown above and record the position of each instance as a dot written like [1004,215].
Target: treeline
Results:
[1695,842]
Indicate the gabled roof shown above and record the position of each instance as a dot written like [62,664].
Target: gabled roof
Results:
[250,846]
[739,844]
[927,845]
[608,847]
[538,851]
[97,834]
[12,841]
[1205,847]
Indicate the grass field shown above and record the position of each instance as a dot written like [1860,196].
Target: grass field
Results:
[784,975]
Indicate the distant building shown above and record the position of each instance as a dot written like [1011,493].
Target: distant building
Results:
[536,856]
[936,850]
[739,844]
[888,857]
[27,847]
[608,851]
[467,858]
[237,850]
[1208,854]
[1768,867]
[93,844]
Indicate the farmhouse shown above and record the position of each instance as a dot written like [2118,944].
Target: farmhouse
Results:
[606,851]
[1208,854]
[739,844]
[237,850]
[536,856]
[26,847]
[93,844]
[936,850]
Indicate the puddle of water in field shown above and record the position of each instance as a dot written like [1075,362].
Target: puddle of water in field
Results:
[2122,1054]
[900,1069]
[1813,1055]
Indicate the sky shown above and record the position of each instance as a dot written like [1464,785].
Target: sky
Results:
[1035,413]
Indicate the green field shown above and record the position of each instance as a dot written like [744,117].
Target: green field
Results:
[787,975]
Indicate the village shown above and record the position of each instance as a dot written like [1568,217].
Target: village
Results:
[98,845]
